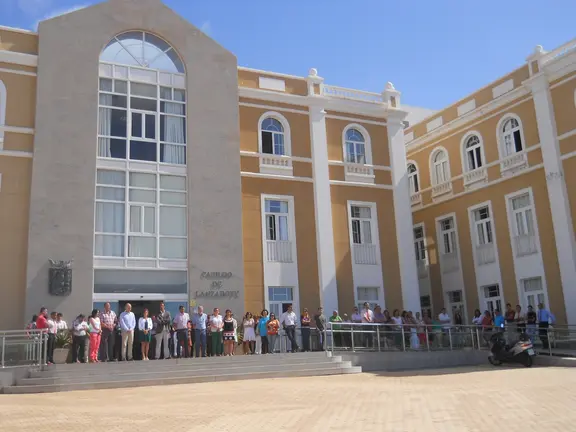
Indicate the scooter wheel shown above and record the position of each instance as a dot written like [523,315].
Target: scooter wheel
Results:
[527,360]
[494,362]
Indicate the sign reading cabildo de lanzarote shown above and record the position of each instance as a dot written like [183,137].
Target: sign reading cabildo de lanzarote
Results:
[215,286]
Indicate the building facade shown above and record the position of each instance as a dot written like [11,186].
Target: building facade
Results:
[139,163]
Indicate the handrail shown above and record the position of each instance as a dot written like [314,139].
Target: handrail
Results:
[22,348]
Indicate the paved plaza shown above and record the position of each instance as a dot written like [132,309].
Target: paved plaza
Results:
[468,399]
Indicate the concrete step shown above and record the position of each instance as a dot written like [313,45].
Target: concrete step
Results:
[333,369]
[181,371]
[155,365]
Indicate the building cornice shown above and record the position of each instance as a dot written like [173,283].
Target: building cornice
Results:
[18,58]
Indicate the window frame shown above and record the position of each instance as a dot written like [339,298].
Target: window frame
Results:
[360,224]
[414,186]
[420,243]
[367,144]
[476,154]
[360,302]
[287,134]
[433,164]
[500,135]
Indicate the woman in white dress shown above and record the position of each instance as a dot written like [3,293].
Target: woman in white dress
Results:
[249,336]
[413,326]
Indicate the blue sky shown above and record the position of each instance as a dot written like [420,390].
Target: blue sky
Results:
[435,52]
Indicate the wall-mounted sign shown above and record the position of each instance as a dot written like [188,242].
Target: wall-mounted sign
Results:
[215,286]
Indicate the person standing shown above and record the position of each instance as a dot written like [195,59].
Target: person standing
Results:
[272,327]
[288,321]
[42,324]
[79,332]
[127,326]
[95,335]
[367,318]
[216,325]
[249,336]
[108,321]
[60,323]
[545,318]
[263,330]
[531,323]
[199,321]
[162,336]
[229,333]
[305,328]
[336,329]
[145,327]
[320,320]
[52,330]
[181,327]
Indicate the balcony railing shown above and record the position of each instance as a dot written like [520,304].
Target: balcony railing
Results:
[525,244]
[365,254]
[416,198]
[485,254]
[441,189]
[450,262]
[280,162]
[422,267]
[359,172]
[279,251]
[514,162]
[476,176]
[351,94]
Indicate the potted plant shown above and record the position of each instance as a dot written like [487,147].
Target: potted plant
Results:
[62,345]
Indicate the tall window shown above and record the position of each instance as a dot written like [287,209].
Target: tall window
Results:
[419,244]
[142,112]
[523,215]
[492,298]
[473,148]
[533,292]
[276,220]
[440,169]
[413,179]
[272,133]
[483,225]
[361,224]
[355,144]
[279,298]
[367,294]
[142,117]
[511,137]
[448,232]
[140,215]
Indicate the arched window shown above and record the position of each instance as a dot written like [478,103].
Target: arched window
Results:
[136,48]
[510,133]
[413,178]
[141,213]
[440,167]
[473,153]
[355,145]
[272,135]
[2,110]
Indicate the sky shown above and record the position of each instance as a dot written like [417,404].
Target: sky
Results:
[434,52]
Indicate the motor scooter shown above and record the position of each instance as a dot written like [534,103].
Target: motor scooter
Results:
[521,351]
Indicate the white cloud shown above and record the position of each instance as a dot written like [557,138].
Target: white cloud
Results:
[57,12]
[206,28]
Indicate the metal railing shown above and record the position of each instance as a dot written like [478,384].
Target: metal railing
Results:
[355,337]
[20,348]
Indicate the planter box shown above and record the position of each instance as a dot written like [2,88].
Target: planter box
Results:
[61,355]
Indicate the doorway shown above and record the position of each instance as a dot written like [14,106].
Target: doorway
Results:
[138,310]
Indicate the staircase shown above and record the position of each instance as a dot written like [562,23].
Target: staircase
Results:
[68,377]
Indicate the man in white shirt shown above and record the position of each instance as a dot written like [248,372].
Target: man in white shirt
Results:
[445,321]
[367,318]
[288,321]
[181,327]
[356,318]
[52,330]
[60,323]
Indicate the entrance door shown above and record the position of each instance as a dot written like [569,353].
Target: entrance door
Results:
[138,310]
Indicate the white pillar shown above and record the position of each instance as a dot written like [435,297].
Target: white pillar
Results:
[557,193]
[402,205]
[322,201]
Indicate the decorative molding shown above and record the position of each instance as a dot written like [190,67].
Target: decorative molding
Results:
[271,84]
[567,134]
[17,129]
[276,177]
[18,58]
[358,184]
[18,72]
[272,107]
[257,155]
[16,153]
[358,120]
[466,107]
[18,30]
[434,124]
[374,167]
[503,88]
[274,74]
[409,137]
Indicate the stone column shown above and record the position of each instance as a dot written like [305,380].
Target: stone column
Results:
[322,198]
[402,205]
[557,193]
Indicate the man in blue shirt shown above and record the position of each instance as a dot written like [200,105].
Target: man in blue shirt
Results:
[199,323]
[498,320]
[545,318]
[127,325]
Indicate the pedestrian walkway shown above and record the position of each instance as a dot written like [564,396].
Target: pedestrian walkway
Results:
[457,400]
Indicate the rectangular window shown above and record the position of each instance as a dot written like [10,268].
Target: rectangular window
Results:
[492,298]
[173,221]
[267,143]
[361,224]
[523,215]
[143,151]
[276,220]
[367,294]
[483,224]
[448,235]
[279,298]
[419,245]
[533,292]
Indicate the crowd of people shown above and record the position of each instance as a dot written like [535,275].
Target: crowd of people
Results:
[111,338]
